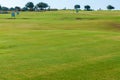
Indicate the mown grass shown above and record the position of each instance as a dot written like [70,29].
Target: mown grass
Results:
[60,45]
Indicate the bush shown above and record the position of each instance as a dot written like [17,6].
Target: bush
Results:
[4,12]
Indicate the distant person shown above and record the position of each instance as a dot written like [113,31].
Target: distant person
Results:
[13,14]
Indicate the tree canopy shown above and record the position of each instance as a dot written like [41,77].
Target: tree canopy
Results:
[77,6]
[110,7]
[30,5]
[42,5]
[87,7]
[17,8]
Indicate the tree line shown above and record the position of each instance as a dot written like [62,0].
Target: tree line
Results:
[28,7]
[88,7]
[42,6]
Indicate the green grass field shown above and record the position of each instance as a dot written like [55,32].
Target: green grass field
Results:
[60,45]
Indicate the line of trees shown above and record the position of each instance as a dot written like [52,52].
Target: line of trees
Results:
[41,6]
[28,7]
[88,8]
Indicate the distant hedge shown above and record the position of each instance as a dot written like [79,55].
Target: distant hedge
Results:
[4,12]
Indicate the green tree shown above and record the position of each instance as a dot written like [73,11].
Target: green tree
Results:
[87,7]
[0,7]
[11,9]
[77,7]
[30,6]
[110,7]
[17,8]
[4,8]
[42,5]
[24,9]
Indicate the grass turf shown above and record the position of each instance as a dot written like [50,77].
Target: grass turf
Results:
[60,45]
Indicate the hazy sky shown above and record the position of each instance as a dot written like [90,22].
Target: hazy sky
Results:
[95,4]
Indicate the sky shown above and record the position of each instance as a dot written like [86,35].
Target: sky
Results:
[60,4]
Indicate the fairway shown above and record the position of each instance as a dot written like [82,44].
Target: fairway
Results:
[60,45]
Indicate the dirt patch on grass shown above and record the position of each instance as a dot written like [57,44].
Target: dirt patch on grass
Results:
[115,25]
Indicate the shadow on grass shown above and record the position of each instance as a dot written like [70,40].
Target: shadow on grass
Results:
[8,46]
[85,18]
[77,18]
[15,18]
